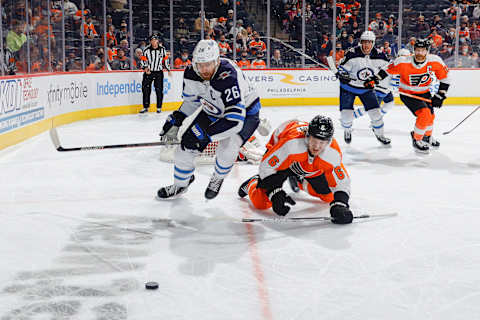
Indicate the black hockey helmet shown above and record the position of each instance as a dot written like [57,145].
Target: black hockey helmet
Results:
[321,127]
[423,43]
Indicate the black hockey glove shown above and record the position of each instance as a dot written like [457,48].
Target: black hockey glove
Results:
[437,99]
[340,213]
[371,82]
[195,138]
[278,197]
[174,119]
[343,77]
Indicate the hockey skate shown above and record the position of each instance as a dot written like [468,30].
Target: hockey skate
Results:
[420,145]
[293,181]
[384,140]
[213,187]
[243,190]
[347,135]
[172,191]
[434,143]
[144,110]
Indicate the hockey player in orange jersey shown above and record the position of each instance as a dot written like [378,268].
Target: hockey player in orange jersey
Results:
[309,153]
[416,75]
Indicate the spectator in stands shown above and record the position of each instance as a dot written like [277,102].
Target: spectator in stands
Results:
[391,24]
[229,19]
[355,17]
[73,62]
[137,58]
[474,62]
[339,53]
[474,31]
[355,30]
[450,37]
[111,51]
[309,15]
[223,53]
[350,42]
[325,46]
[123,32]
[422,29]
[390,37]
[121,62]
[16,38]
[259,63]
[221,8]
[437,24]
[182,62]
[411,44]
[181,31]
[340,29]
[238,29]
[445,52]
[222,43]
[241,43]
[436,38]
[387,50]
[126,48]
[89,29]
[69,8]
[464,32]
[343,39]
[276,60]
[110,35]
[198,23]
[244,63]
[256,45]
[476,12]
[221,26]
[109,20]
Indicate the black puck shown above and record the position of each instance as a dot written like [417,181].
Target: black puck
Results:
[152,285]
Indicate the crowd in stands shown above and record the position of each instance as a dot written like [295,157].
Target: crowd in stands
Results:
[43,41]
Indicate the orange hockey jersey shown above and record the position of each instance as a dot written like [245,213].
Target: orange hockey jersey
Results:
[416,79]
[287,148]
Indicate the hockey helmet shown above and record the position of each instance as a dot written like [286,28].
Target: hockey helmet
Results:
[423,43]
[154,36]
[205,51]
[321,127]
[368,36]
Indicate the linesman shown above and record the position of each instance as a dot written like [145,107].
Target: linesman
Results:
[154,60]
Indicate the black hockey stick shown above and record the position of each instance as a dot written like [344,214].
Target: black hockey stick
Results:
[302,219]
[447,132]
[58,146]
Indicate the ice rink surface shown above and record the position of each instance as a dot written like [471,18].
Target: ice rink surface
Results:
[82,232]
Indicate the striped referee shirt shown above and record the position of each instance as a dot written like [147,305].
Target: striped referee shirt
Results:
[155,59]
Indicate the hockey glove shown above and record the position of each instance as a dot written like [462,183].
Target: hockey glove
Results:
[278,197]
[371,82]
[437,99]
[195,138]
[173,120]
[340,213]
[343,77]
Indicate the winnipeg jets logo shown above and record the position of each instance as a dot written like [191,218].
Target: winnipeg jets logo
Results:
[419,79]
[224,75]
[365,73]
[210,108]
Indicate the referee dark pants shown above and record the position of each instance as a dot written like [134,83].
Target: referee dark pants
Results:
[157,78]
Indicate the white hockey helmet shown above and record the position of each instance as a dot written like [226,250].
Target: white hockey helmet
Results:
[368,36]
[205,51]
[404,53]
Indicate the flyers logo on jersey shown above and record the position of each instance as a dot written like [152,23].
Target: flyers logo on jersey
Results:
[419,79]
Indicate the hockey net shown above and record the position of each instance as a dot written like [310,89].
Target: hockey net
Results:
[250,152]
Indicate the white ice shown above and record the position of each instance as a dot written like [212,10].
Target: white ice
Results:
[82,232]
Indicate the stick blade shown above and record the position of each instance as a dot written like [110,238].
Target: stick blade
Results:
[55,139]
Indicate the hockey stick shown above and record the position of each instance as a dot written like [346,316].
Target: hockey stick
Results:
[58,146]
[415,97]
[301,219]
[447,132]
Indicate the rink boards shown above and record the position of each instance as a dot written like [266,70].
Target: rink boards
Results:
[33,104]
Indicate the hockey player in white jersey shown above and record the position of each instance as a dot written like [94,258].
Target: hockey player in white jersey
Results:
[384,90]
[360,63]
[223,106]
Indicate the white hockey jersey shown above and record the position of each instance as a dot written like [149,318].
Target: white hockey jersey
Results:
[361,66]
[228,96]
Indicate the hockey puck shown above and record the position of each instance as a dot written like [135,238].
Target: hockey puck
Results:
[152,285]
